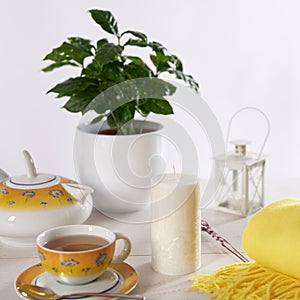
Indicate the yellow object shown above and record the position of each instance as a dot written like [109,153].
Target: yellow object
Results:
[127,282]
[53,197]
[245,281]
[76,264]
[272,239]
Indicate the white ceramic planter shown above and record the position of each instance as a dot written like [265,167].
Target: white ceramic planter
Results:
[118,167]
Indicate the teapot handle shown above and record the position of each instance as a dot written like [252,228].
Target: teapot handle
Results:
[3,175]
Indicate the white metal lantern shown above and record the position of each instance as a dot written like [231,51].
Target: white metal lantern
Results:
[241,177]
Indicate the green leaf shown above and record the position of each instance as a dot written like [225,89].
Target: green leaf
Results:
[131,90]
[72,86]
[140,41]
[80,43]
[176,62]
[81,100]
[113,72]
[188,79]
[105,84]
[157,106]
[92,70]
[160,61]
[155,88]
[121,115]
[137,34]
[157,47]
[141,64]
[58,65]
[108,53]
[101,42]
[105,100]
[137,69]
[164,62]
[106,20]
[135,59]
[98,119]
[73,52]
[136,42]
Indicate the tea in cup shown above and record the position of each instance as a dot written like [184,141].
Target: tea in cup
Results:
[78,254]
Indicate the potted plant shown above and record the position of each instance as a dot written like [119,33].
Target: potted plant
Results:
[114,87]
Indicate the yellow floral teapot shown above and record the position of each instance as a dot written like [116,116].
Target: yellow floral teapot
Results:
[32,203]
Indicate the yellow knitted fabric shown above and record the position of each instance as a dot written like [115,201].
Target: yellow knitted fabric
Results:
[272,239]
[247,281]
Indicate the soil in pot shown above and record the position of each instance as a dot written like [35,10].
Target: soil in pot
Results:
[114,132]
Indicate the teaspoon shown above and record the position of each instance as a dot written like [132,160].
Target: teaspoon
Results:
[36,292]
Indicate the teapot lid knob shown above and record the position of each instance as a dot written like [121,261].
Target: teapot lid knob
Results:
[31,170]
[32,179]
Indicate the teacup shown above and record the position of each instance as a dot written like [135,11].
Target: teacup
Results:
[78,254]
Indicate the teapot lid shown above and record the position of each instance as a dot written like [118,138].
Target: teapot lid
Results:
[39,181]
[32,179]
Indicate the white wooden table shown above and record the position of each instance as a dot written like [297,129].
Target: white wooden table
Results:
[13,260]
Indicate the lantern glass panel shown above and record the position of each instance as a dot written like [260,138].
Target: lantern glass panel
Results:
[241,189]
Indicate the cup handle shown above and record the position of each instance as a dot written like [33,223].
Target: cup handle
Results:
[124,253]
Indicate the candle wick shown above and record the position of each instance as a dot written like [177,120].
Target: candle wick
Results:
[174,170]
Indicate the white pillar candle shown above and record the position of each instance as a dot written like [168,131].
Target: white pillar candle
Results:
[176,224]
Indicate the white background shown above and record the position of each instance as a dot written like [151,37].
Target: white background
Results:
[243,53]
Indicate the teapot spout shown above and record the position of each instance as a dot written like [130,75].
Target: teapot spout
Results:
[78,191]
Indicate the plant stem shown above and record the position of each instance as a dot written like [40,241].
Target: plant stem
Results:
[118,129]
[131,127]
[143,126]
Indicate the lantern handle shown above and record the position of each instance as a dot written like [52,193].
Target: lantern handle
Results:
[267,121]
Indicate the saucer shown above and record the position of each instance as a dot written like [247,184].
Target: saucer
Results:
[118,278]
